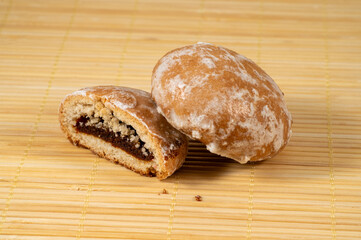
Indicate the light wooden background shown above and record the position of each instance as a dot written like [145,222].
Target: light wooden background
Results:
[50,189]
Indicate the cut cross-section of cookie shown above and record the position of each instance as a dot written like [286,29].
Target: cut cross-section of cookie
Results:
[122,125]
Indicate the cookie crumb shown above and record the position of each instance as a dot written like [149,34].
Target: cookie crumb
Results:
[163,192]
[198,198]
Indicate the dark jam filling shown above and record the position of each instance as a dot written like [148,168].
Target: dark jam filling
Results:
[116,139]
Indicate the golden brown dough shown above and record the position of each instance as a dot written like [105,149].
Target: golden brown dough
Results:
[122,125]
[223,99]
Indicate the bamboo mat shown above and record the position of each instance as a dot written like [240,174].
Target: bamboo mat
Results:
[50,189]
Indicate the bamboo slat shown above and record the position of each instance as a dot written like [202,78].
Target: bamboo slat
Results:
[50,189]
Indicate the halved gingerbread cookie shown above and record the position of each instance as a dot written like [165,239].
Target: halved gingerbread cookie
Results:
[122,125]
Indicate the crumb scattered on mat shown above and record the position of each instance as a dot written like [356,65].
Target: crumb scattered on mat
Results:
[163,192]
[198,198]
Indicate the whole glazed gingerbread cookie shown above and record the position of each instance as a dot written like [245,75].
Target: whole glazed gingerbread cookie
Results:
[223,99]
